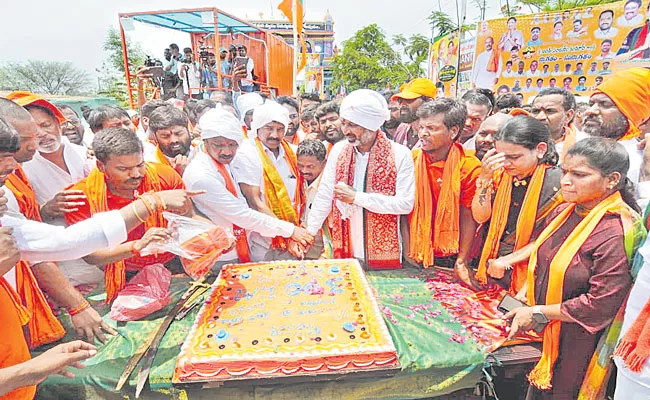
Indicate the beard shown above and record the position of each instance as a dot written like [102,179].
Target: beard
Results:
[392,123]
[53,145]
[176,150]
[594,125]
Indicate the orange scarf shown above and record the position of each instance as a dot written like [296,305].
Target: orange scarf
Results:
[528,216]
[295,139]
[445,235]
[243,251]
[18,183]
[329,148]
[275,192]
[495,58]
[381,230]
[43,325]
[162,159]
[115,273]
[542,374]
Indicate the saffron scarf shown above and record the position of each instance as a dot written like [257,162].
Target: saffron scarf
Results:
[43,325]
[96,193]
[329,148]
[381,230]
[445,235]
[275,192]
[569,140]
[241,245]
[162,159]
[495,58]
[542,374]
[528,217]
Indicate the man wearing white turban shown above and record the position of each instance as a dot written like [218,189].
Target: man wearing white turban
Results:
[267,172]
[223,201]
[246,104]
[367,184]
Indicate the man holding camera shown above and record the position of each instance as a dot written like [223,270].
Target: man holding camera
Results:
[170,67]
[243,59]
[190,74]
[209,68]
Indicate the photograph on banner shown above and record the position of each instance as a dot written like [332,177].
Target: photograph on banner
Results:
[443,64]
[465,64]
[575,49]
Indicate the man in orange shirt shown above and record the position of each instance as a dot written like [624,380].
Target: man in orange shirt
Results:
[441,226]
[121,176]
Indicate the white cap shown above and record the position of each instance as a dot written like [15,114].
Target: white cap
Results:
[366,108]
[247,102]
[266,113]
[219,122]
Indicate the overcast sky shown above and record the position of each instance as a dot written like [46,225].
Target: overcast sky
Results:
[74,30]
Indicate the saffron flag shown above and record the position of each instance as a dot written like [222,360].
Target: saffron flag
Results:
[286,6]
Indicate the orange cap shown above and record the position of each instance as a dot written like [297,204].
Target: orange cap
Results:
[24,98]
[519,111]
[418,87]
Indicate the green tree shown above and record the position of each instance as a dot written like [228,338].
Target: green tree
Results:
[555,5]
[48,77]
[112,79]
[416,50]
[368,61]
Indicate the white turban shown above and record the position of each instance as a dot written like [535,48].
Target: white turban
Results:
[219,122]
[247,102]
[267,113]
[366,108]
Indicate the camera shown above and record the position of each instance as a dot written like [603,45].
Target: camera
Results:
[149,62]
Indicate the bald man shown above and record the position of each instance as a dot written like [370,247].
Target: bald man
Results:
[485,133]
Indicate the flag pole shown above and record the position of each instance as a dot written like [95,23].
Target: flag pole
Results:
[294,11]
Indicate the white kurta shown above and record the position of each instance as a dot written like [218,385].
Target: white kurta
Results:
[399,204]
[481,77]
[247,168]
[38,242]
[223,208]
[631,385]
[48,179]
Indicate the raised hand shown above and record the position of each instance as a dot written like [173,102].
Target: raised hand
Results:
[62,203]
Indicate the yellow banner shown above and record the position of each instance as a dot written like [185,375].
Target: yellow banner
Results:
[443,64]
[575,49]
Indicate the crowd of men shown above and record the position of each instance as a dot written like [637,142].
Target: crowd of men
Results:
[386,178]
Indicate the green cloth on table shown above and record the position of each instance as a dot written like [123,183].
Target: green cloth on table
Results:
[432,362]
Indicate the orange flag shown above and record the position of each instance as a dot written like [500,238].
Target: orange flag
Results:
[286,6]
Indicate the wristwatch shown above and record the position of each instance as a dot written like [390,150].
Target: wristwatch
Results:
[539,319]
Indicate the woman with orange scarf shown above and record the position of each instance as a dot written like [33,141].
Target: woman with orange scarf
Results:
[578,272]
[518,186]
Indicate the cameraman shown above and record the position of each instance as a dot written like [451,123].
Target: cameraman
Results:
[190,75]
[226,67]
[209,69]
[170,67]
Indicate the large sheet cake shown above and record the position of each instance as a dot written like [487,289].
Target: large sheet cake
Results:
[287,319]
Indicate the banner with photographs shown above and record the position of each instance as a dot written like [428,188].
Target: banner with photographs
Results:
[575,49]
[465,64]
[443,64]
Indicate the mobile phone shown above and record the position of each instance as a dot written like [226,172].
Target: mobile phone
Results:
[509,303]
[240,61]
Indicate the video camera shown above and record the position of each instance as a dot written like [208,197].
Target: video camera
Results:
[203,54]
[152,62]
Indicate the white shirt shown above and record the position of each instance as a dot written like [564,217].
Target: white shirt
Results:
[639,296]
[611,33]
[250,65]
[399,204]
[193,72]
[247,168]
[48,179]
[470,144]
[481,77]
[38,242]
[223,208]
[621,21]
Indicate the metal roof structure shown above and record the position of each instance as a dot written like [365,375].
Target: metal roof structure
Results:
[196,20]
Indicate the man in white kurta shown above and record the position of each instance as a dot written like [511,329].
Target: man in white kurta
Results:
[269,124]
[362,113]
[481,77]
[211,171]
